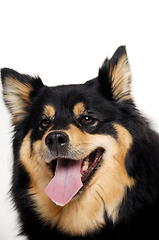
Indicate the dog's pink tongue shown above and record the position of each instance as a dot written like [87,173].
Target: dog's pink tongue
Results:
[66,182]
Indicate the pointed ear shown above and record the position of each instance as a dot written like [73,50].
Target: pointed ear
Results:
[18,92]
[115,76]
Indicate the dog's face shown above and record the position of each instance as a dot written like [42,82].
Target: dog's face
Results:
[72,144]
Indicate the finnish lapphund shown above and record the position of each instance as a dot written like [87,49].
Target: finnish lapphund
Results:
[86,162]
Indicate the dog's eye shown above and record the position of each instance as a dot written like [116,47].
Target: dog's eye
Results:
[87,120]
[44,122]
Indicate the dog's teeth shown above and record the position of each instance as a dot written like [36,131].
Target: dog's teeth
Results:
[86,164]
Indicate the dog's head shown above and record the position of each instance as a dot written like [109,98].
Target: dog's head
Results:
[72,143]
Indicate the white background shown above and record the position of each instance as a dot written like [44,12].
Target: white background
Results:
[66,42]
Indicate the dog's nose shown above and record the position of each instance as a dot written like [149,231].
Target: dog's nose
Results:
[57,141]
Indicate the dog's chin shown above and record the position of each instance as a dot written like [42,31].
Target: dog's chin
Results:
[88,164]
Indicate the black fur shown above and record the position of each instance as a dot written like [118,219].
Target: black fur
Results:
[139,211]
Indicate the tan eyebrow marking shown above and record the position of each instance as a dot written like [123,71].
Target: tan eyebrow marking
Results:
[49,110]
[79,108]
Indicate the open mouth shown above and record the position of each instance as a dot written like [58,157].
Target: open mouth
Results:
[69,175]
[88,164]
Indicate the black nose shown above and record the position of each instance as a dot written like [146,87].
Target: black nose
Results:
[57,141]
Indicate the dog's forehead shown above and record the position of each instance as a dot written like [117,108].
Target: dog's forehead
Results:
[65,100]
[78,109]
[73,98]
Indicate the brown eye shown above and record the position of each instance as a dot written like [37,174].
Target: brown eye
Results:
[44,122]
[87,120]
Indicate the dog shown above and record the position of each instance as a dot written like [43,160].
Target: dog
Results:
[86,162]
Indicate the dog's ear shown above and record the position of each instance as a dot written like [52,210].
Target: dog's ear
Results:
[115,77]
[18,92]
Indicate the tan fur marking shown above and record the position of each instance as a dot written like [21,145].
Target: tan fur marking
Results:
[34,162]
[85,213]
[17,95]
[49,111]
[120,75]
[79,108]
[112,179]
